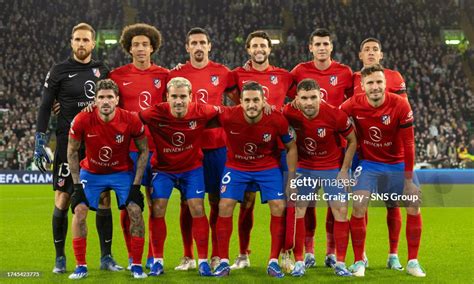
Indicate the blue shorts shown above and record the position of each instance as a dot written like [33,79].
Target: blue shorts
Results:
[355,161]
[190,183]
[381,177]
[214,163]
[283,169]
[94,184]
[234,184]
[147,175]
[315,179]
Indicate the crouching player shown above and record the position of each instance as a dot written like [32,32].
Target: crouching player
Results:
[318,128]
[384,124]
[253,157]
[107,133]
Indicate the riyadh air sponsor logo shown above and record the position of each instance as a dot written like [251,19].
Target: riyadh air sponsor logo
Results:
[375,134]
[144,100]
[89,89]
[310,144]
[105,153]
[202,96]
[250,148]
[324,94]
[178,139]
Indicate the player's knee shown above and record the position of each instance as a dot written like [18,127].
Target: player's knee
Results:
[413,210]
[80,211]
[158,209]
[277,207]
[225,208]
[135,213]
[340,213]
[62,200]
[359,211]
[300,212]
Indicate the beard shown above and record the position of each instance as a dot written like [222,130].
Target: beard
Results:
[199,56]
[265,58]
[82,53]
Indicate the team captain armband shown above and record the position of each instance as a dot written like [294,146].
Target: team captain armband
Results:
[288,137]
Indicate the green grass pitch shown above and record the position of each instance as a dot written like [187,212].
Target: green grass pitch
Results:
[26,244]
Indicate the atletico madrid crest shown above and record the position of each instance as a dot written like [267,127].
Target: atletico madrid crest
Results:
[119,138]
[321,132]
[215,80]
[61,182]
[192,124]
[386,119]
[96,72]
[274,79]
[267,137]
[333,80]
[157,83]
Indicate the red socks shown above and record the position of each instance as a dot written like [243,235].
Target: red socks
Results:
[245,227]
[310,224]
[158,235]
[125,222]
[277,231]
[358,232]
[137,244]
[79,246]
[186,224]
[394,224]
[299,239]
[341,238]
[330,242]
[413,233]
[213,223]
[201,235]
[224,231]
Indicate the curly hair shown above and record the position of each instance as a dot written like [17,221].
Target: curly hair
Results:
[140,29]
[106,84]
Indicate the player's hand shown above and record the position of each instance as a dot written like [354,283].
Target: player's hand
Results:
[411,189]
[56,107]
[178,67]
[78,196]
[268,109]
[344,177]
[295,104]
[136,196]
[89,108]
[247,65]
[41,156]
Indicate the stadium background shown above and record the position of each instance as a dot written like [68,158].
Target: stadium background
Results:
[414,34]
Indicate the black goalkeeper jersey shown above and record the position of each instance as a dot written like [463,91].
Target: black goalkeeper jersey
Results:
[72,84]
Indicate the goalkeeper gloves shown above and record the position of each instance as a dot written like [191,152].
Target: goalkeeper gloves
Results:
[40,155]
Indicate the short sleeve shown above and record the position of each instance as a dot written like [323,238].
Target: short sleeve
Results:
[343,123]
[137,129]
[76,130]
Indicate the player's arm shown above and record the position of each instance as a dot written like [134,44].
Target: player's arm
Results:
[233,95]
[348,156]
[142,146]
[44,113]
[73,147]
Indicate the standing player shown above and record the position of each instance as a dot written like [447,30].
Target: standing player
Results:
[177,127]
[254,158]
[370,54]
[141,84]
[107,133]
[209,81]
[72,84]
[384,123]
[319,127]
[335,80]
[276,83]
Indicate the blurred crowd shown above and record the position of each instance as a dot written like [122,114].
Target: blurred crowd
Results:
[36,34]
